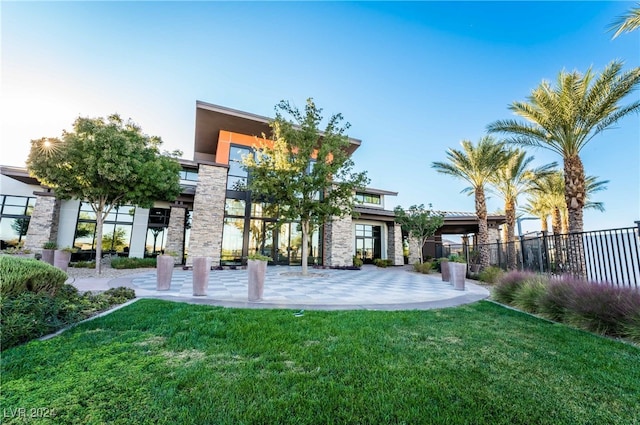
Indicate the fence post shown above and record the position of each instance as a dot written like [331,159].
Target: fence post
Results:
[540,256]
[545,246]
[522,251]
[499,253]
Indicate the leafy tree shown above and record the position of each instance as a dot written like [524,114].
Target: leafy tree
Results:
[305,171]
[510,181]
[566,117]
[476,164]
[420,223]
[628,22]
[108,163]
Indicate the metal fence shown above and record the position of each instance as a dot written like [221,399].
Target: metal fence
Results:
[611,256]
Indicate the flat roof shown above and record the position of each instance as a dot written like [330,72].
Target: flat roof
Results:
[211,118]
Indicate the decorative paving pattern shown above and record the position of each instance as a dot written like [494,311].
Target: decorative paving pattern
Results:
[283,286]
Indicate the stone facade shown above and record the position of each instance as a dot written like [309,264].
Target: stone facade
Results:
[208,213]
[394,244]
[175,231]
[415,251]
[43,225]
[338,242]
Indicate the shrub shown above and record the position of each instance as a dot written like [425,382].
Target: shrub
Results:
[132,263]
[508,284]
[383,263]
[24,274]
[632,328]
[30,315]
[527,296]
[490,274]
[602,308]
[554,304]
[50,245]
[357,261]
[83,265]
[426,267]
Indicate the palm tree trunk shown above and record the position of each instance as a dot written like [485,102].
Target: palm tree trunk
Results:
[483,229]
[556,221]
[510,215]
[545,224]
[574,192]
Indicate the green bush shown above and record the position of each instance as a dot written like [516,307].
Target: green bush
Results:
[491,274]
[425,268]
[508,285]
[30,315]
[527,297]
[133,263]
[383,263]
[357,261]
[83,265]
[25,274]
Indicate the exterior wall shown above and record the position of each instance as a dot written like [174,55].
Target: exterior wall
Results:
[414,250]
[494,234]
[175,231]
[339,240]
[13,187]
[139,233]
[43,225]
[394,247]
[208,213]
[68,221]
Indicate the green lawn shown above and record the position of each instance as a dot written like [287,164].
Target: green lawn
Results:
[159,362]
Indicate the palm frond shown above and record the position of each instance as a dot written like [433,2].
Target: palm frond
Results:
[628,22]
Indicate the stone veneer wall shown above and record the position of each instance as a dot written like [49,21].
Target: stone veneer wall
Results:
[338,242]
[208,213]
[414,250]
[394,244]
[43,226]
[175,231]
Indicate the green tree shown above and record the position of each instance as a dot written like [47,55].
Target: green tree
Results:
[510,181]
[419,223]
[108,163]
[307,172]
[476,164]
[567,117]
[628,22]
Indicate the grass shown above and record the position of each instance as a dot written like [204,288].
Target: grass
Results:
[159,362]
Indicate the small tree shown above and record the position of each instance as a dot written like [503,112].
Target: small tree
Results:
[419,223]
[108,163]
[306,172]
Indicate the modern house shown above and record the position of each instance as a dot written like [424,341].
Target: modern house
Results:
[211,217]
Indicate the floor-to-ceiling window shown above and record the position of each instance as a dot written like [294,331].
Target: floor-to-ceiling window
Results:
[116,231]
[15,214]
[368,242]
[157,231]
[252,227]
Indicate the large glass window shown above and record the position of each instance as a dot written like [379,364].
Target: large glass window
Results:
[157,230]
[368,242]
[116,231]
[15,214]
[232,241]
[368,198]
[189,174]
[237,176]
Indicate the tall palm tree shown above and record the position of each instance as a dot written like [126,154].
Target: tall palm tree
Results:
[628,22]
[510,181]
[536,207]
[567,117]
[549,191]
[476,164]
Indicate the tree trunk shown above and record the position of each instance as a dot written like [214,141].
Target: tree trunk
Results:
[510,215]
[545,224]
[305,247]
[575,198]
[99,224]
[483,229]
[556,221]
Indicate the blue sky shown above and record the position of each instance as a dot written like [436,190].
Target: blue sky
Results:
[413,78]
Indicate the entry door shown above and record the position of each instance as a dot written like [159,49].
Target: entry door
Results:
[290,244]
[262,238]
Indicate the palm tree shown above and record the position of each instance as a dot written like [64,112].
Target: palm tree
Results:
[476,164]
[627,22]
[537,207]
[549,191]
[510,181]
[566,117]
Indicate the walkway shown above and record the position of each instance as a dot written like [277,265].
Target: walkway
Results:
[371,288]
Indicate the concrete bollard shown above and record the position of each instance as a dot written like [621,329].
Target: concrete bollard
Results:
[201,269]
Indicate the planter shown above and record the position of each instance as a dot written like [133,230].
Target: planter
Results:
[458,275]
[164,269]
[61,259]
[444,269]
[256,270]
[47,255]
[201,269]
[474,268]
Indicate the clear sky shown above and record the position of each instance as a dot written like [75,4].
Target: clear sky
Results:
[413,79]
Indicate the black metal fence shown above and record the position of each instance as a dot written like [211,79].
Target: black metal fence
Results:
[611,256]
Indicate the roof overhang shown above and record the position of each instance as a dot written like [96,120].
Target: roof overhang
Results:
[19,173]
[210,119]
